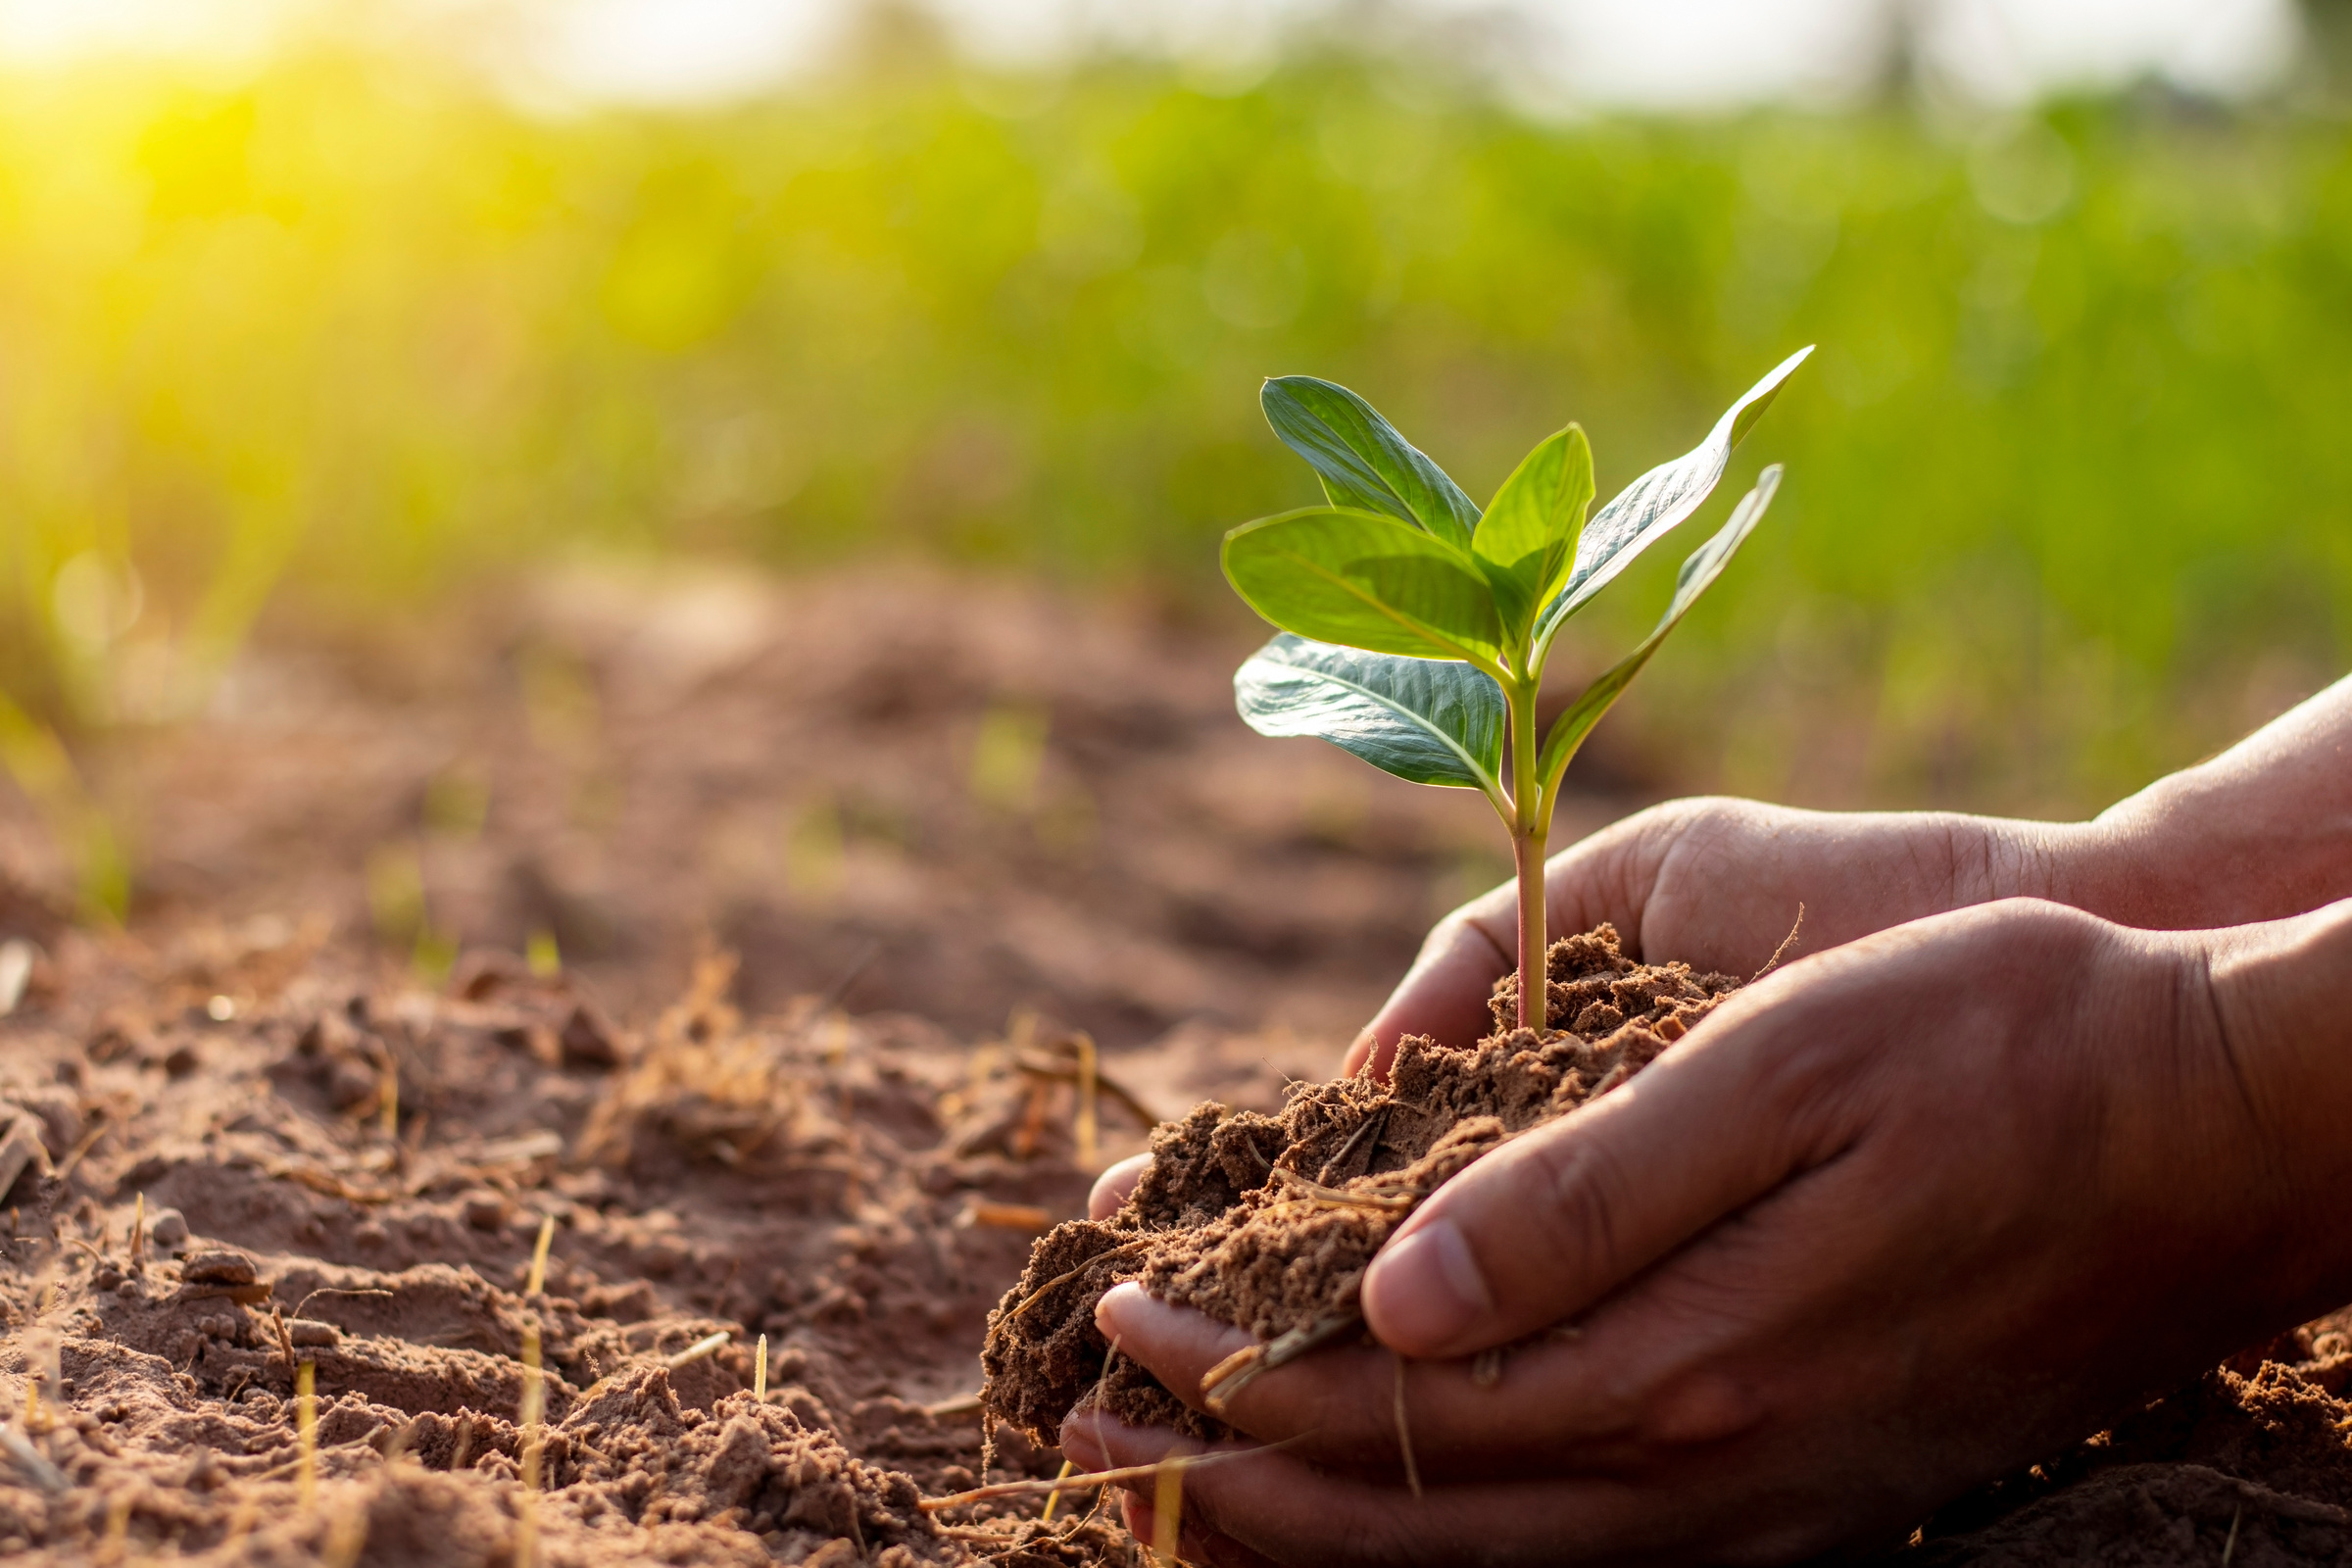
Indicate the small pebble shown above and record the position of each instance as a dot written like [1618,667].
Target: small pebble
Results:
[168,1228]
[306,1330]
[219,1265]
[485,1211]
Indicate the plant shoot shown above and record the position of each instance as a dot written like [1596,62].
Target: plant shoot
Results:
[1414,626]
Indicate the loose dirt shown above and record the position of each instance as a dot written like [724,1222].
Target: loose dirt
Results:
[822,883]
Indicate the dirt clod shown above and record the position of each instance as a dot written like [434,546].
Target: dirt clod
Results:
[1268,1221]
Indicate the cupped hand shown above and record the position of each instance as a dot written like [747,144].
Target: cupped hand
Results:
[1717,883]
[1897,1218]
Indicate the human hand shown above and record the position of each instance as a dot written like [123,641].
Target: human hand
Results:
[1717,883]
[1897,1218]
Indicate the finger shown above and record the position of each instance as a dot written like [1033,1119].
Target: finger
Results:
[1193,1544]
[1444,995]
[1549,1223]
[1083,1441]
[1634,1378]
[1275,1504]
[1113,1185]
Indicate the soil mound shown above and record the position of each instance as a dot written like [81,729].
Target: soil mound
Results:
[242,1154]
[1269,1221]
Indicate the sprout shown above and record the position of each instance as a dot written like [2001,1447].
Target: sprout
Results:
[1415,628]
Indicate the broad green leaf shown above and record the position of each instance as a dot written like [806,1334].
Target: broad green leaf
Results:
[1528,535]
[1647,509]
[1698,573]
[1366,581]
[1428,720]
[1362,459]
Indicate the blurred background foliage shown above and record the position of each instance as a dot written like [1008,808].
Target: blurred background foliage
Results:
[2070,499]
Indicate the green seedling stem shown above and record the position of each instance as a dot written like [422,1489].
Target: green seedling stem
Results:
[1416,625]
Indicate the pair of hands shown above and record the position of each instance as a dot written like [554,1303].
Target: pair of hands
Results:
[1927,1205]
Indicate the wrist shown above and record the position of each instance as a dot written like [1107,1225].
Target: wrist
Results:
[2281,1007]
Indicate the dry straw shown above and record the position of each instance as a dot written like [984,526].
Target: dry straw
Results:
[305,1433]
[1053,1498]
[1167,1512]
[388,1101]
[534,1399]
[1086,1100]
[759,1371]
[537,1281]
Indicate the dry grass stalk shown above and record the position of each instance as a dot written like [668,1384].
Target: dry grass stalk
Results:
[139,1229]
[760,1370]
[305,1433]
[114,1544]
[286,1336]
[74,1157]
[388,1096]
[1086,1128]
[1025,1217]
[1129,1474]
[1167,1512]
[43,1376]
[699,1349]
[1053,1498]
[1040,1294]
[534,1401]
[1222,1382]
[34,1463]
[1339,1197]
[536,1283]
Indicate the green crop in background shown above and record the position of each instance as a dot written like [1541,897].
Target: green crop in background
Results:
[2069,484]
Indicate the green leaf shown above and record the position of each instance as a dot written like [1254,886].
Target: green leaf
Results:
[1528,535]
[1427,721]
[1698,573]
[1364,462]
[1647,509]
[1366,581]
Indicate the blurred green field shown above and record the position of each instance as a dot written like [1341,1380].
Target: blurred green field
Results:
[2070,499]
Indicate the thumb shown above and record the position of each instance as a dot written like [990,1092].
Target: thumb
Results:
[1444,995]
[1548,1224]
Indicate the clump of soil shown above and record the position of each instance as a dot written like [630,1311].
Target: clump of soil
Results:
[1268,1221]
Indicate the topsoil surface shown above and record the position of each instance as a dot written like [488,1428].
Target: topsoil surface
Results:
[846,887]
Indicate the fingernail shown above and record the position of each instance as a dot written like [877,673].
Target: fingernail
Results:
[1425,1292]
[1108,1309]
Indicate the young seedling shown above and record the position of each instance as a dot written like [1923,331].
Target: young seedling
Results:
[1415,628]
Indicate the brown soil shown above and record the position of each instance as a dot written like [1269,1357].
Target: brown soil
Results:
[1268,1221]
[835,869]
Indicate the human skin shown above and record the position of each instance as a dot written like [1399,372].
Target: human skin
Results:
[1917,1208]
